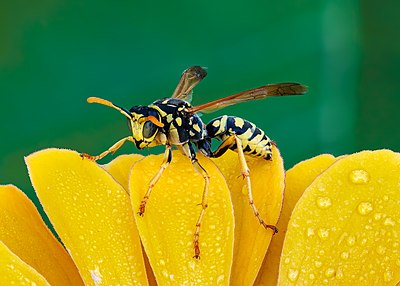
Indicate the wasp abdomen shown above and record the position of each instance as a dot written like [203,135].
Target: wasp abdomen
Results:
[254,141]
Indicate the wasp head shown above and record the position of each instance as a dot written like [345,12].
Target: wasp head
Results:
[145,123]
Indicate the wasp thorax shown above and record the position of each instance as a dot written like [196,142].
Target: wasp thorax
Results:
[144,124]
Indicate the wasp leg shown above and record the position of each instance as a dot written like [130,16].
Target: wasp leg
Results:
[188,150]
[154,180]
[229,142]
[112,149]
[204,205]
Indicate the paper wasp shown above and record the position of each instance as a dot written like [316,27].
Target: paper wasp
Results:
[174,122]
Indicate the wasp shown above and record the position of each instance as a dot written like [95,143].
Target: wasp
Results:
[175,122]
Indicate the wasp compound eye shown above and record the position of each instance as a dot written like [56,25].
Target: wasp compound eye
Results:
[149,129]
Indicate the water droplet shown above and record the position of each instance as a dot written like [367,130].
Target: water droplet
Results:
[162,262]
[96,275]
[380,249]
[388,276]
[318,264]
[323,233]
[377,216]
[165,273]
[293,274]
[365,208]
[321,187]
[220,278]
[330,272]
[311,276]
[287,260]
[359,176]
[310,232]
[324,202]
[344,255]
[339,274]
[385,198]
[389,221]
[351,240]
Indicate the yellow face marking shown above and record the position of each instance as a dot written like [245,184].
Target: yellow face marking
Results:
[239,122]
[165,101]
[178,121]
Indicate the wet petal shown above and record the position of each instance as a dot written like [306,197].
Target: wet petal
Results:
[92,215]
[25,234]
[344,229]
[297,180]
[168,224]
[14,271]
[120,168]
[251,239]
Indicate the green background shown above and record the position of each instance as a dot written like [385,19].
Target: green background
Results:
[54,54]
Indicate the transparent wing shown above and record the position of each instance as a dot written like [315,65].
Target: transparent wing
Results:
[278,89]
[189,79]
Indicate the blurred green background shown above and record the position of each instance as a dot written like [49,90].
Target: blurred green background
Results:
[54,54]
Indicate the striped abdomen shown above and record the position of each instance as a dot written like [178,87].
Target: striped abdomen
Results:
[254,140]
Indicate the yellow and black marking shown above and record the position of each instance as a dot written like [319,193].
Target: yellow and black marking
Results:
[254,141]
[174,122]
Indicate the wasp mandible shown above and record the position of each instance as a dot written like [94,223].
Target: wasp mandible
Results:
[175,122]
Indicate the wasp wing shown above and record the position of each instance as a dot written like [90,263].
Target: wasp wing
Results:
[189,79]
[278,89]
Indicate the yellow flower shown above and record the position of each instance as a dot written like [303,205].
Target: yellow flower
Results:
[340,223]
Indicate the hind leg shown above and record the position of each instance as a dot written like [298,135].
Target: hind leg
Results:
[227,144]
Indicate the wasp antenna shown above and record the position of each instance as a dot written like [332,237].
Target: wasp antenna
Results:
[109,104]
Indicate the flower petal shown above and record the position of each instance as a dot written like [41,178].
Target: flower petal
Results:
[120,168]
[344,229]
[251,239]
[297,180]
[169,221]
[25,234]
[92,215]
[14,271]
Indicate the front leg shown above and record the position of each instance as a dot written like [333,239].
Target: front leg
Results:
[154,180]
[112,149]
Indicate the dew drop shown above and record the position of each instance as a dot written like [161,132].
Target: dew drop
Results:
[220,278]
[344,255]
[389,221]
[387,276]
[310,232]
[330,272]
[287,260]
[339,273]
[293,274]
[318,264]
[162,262]
[365,208]
[359,176]
[323,233]
[351,240]
[381,249]
[377,216]
[311,276]
[324,202]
